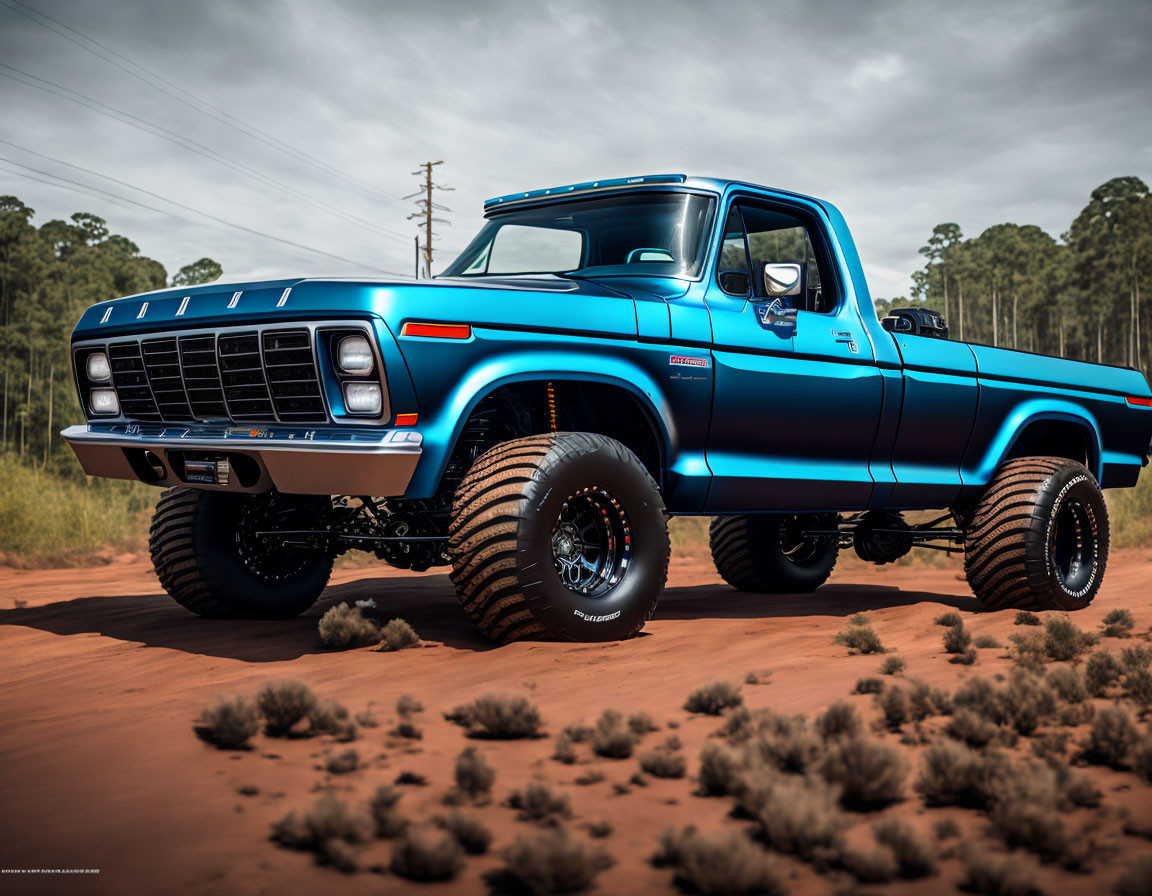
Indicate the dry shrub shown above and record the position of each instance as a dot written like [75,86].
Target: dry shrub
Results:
[925,701]
[971,729]
[869,866]
[613,739]
[474,776]
[957,639]
[946,828]
[987,642]
[868,686]
[1136,658]
[1024,703]
[725,864]
[949,619]
[329,819]
[398,635]
[1138,687]
[1112,737]
[1068,683]
[893,665]
[1063,639]
[344,626]
[540,801]
[426,857]
[565,751]
[952,774]
[721,768]
[713,699]
[229,723]
[870,774]
[1026,617]
[407,705]
[1026,816]
[328,717]
[915,856]
[589,778]
[893,703]
[798,815]
[967,658]
[389,822]
[762,677]
[663,763]
[1136,879]
[837,721]
[1117,624]
[1142,757]
[407,729]
[470,832]
[283,704]
[1101,672]
[1028,650]
[343,763]
[553,861]
[578,734]
[599,829]
[498,717]
[784,742]
[859,636]
[991,875]
[640,723]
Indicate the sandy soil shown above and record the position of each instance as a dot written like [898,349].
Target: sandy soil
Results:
[103,677]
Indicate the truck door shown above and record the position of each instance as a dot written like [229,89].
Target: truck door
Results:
[797,391]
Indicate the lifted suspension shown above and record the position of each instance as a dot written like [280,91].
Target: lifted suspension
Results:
[883,536]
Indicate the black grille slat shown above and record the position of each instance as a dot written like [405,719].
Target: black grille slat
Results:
[162,364]
[131,381]
[291,370]
[242,375]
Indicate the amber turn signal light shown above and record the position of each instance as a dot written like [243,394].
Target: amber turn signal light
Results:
[436,331]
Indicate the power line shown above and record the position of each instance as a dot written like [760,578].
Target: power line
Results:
[90,189]
[426,209]
[149,77]
[187,143]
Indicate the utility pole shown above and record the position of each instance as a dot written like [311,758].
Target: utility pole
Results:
[426,209]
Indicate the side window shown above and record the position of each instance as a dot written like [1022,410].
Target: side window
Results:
[732,271]
[775,237]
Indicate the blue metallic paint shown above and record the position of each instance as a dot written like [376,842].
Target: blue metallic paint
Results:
[794,422]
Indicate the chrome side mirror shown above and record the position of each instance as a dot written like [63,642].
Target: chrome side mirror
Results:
[783,279]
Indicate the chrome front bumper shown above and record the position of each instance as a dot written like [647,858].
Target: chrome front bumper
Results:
[293,459]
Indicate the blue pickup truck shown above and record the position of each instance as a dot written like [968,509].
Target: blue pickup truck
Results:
[601,356]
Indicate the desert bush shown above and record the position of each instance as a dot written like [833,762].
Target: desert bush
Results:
[640,723]
[327,717]
[798,815]
[720,770]
[713,699]
[474,776]
[398,635]
[283,704]
[599,829]
[588,778]
[389,822]
[1138,687]
[1030,825]
[868,686]
[415,779]
[1136,658]
[470,832]
[407,729]
[229,723]
[859,636]
[893,665]
[990,875]
[870,774]
[893,703]
[1117,623]
[407,705]
[952,774]
[613,739]
[838,720]
[1068,683]
[1136,879]
[761,677]
[1142,757]
[329,818]
[949,619]
[540,801]
[1026,617]
[969,728]
[1024,703]
[987,642]
[1101,672]
[1029,650]
[725,864]
[344,626]
[498,717]
[967,658]
[343,763]
[1063,639]
[553,861]
[915,856]
[426,858]
[785,742]
[564,751]
[663,763]
[1111,737]
[957,639]
[578,734]
[945,828]
[869,866]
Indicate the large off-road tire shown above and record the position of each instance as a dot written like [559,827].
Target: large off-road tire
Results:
[767,552]
[207,557]
[1039,537]
[562,535]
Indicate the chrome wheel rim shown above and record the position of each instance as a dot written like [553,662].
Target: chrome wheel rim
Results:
[591,543]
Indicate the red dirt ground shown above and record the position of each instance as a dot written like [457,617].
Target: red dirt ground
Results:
[103,677]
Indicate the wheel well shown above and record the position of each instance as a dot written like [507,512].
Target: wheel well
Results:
[1053,438]
[537,406]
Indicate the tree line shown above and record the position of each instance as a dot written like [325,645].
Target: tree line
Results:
[1078,296]
[48,276]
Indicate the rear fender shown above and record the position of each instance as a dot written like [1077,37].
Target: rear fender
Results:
[980,469]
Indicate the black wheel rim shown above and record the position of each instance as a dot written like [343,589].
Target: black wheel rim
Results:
[1073,546]
[591,543]
[266,555]
[796,544]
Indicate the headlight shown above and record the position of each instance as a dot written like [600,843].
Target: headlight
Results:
[104,402]
[97,368]
[354,355]
[363,398]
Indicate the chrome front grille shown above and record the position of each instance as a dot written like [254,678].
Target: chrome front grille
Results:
[256,376]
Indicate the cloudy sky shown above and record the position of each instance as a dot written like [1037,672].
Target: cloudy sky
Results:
[302,120]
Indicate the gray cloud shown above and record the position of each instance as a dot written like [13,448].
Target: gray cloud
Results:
[901,114]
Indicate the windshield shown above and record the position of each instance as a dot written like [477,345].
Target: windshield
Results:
[658,234]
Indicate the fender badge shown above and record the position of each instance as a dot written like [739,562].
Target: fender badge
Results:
[689,361]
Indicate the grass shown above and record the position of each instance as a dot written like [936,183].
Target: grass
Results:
[869,774]
[426,857]
[551,862]
[540,801]
[229,723]
[724,864]
[283,704]
[714,698]
[470,832]
[344,626]
[474,776]
[498,717]
[50,521]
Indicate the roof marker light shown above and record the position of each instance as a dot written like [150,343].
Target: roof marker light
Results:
[436,331]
